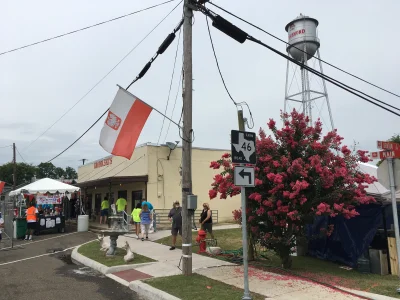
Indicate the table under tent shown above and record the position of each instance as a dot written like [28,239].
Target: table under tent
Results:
[50,197]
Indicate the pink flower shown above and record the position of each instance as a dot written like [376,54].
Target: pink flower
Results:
[258,182]
[271,124]
[345,150]
[212,194]
[226,155]
[214,165]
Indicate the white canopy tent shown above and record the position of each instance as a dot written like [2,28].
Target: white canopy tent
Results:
[46,185]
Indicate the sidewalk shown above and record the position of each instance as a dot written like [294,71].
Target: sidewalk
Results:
[272,286]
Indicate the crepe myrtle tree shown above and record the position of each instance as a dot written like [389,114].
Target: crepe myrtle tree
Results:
[300,174]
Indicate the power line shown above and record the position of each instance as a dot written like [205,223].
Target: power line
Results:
[173,108]
[101,80]
[329,64]
[84,28]
[170,86]
[241,36]
[160,50]
[5,146]
[223,80]
[20,155]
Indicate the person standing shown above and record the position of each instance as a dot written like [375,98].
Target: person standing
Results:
[1,226]
[206,219]
[121,205]
[31,220]
[150,206]
[175,216]
[136,218]
[105,206]
[145,221]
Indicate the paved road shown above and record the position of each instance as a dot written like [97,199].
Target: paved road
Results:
[33,271]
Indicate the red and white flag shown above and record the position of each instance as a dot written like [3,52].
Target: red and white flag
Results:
[2,184]
[125,120]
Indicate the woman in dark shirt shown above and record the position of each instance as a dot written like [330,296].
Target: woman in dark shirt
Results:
[206,219]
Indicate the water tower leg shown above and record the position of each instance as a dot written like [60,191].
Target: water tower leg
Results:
[325,91]
[286,87]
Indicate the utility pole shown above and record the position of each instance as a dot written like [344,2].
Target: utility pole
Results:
[246,294]
[187,140]
[14,168]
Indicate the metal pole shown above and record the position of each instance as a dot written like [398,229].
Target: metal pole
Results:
[246,294]
[394,208]
[14,168]
[325,91]
[186,140]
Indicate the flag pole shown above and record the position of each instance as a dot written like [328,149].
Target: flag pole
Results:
[169,119]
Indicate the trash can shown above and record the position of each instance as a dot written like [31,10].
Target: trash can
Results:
[83,223]
[20,228]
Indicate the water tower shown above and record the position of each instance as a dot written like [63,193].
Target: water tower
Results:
[305,91]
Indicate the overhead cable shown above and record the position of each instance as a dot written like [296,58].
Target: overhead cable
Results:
[84,28]
[101,80]
[160,50]
[241,36]
[170,87]
[250,125]
[283,41]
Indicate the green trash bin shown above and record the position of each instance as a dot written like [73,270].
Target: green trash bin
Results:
[20,224]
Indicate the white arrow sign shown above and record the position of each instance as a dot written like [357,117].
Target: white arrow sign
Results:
[243,176]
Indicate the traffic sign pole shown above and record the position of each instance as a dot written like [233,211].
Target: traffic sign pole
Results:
[246,294]
[394,208]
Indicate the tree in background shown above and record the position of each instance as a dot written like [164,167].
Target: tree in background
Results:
[71,173]
[25,172]
[300,174]
[395,139]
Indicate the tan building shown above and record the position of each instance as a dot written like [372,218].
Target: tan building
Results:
[153,173]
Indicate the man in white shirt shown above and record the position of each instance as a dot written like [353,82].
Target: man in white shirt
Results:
[1,226]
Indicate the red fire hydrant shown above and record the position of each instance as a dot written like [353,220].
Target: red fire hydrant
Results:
[201,240]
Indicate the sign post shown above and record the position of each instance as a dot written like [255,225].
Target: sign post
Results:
[391,151]
[243,148]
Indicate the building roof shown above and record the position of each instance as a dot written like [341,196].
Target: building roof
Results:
[115,179]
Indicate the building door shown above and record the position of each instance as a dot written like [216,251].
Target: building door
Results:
[97,203]
[137,197]
[122,194]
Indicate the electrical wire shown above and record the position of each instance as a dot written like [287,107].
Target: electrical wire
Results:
[85,28]
[20,155]
[170,87]
[2,147]
[236,32]
[173,109]
[160,50]
[329,64]
[101,80]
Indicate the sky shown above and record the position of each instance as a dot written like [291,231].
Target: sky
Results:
[40,83]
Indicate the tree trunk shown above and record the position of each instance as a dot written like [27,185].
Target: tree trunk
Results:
[250,245]
[286,260]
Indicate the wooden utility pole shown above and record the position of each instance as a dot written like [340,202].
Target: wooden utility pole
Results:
[187,140]
[14,168]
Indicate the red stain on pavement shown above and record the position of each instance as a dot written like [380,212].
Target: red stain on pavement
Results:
[132,275]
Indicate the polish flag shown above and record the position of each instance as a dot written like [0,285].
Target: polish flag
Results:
[125,120]
[2,184]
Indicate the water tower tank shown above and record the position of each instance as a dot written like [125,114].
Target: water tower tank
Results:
[302,34]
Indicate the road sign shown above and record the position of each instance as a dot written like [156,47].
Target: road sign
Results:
[243,147]
[243,176]
[388,145]
[385,154]
[383,174]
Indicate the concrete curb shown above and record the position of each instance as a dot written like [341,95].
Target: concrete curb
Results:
[102,268]
[150,293]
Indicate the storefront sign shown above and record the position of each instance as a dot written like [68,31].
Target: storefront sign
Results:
[102,163]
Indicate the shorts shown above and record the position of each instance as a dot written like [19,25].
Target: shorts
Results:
[207,227]
[134,222]
[0,236]
[104,213]
[31,225]
[175,231]
[145,228]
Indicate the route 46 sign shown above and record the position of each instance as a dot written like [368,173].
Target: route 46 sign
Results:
[243,176]
[243,147]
